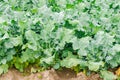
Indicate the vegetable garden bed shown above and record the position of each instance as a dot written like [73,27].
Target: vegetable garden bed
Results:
[82,35]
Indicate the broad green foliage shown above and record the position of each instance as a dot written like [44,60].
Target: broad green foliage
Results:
[108,75]
[60,33]
[70,61]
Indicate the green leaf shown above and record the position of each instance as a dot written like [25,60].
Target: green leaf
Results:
[95,66]
[6,35]
[1,70]
[8,44]
[116,48]
[22,26]
[19,66]
[70,61]
[56,66]
[3,61]
[48,60]
[107,75]
[32,38]
[75,43]
[28,55]
[13,41]
[4,68]
[80,43]
[16,41]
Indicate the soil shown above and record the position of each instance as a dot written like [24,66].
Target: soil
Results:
[52,74]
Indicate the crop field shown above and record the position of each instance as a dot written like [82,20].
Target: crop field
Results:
[80,35]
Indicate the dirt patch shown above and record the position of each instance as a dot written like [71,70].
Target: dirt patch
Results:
[64,74]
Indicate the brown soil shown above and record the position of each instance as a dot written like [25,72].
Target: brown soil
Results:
[64,74]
